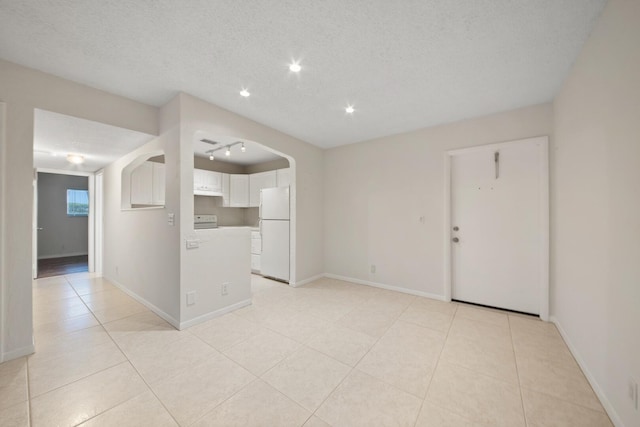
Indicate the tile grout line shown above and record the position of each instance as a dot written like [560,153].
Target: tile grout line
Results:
[515,359]
[127,360]
[141,377]
[353,368]
[436,366]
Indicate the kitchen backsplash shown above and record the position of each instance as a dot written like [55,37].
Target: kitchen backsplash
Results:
[227,217]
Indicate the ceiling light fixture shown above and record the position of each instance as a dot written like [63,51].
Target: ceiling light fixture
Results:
[227,149]
[211,157]
[295,67]
[76,159]
[349,109]
[244,93]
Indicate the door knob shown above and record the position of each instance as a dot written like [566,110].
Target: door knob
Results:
[455,240]
[39,228]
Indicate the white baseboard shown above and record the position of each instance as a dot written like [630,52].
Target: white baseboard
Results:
[308,280]
[63,255]
[385,286]
[172,321]
[19,352]
[214,314]
[615,419]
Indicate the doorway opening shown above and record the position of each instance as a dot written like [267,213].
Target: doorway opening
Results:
[64,223]
[239,182]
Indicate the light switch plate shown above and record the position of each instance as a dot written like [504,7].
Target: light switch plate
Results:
[193,243]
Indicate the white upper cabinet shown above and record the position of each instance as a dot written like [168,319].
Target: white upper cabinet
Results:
[159,184]
[283,177]
[239,190]
[226,191]
[142,184]
[258,181]
[206,182]
[148,184]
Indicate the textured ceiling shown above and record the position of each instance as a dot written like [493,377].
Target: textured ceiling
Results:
[56,135]
[403,64]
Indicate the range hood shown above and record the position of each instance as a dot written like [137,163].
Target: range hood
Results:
[207,193]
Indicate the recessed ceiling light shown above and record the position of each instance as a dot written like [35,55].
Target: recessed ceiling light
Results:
[243,148]
[349,109]
[211,157]
[244,93]
[228,152]
[76,159]
[295,67]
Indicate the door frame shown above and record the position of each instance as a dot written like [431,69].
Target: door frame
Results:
[93,242]
[543,179]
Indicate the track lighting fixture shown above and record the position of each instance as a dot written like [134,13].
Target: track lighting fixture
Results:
[227,149]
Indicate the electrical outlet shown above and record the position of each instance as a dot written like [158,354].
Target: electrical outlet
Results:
[632,392]
[191,298]
[373,268]
[223,289]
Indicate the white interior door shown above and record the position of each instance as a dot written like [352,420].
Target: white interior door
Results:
[497,225]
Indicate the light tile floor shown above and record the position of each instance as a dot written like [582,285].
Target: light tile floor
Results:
[330,353]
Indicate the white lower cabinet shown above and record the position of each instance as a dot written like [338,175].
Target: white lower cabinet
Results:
[256,251]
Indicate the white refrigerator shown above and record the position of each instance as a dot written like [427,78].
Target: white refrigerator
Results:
[274,229]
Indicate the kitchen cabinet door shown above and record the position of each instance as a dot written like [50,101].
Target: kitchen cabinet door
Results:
[142,185]
[213,181]
[158,183]
[283,177]
[239,190]
[257,182]
[226,199]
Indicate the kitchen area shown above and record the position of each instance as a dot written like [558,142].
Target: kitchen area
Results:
[243,188]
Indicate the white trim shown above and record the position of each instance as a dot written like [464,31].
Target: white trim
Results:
[172,321]
[99,222]
[214,314]
[307,280]
[91,223]
[608,407]
[543,161]
[19,352]
[63,255]
[384,286]
[3,299]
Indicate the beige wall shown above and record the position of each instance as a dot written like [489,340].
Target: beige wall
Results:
[23,90]
[596,208]
[141,250]
[376,191]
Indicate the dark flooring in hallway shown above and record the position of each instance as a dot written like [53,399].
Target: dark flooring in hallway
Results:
[59,266]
